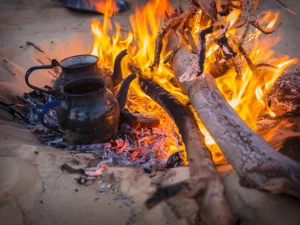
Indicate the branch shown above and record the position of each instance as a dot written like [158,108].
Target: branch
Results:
[253,67]
[191,41]
[163,31]
[271,31]
[202,48]
[256,162]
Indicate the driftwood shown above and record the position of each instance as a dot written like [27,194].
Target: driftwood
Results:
[204,185]
[257,163]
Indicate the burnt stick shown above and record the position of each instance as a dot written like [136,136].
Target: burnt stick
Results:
[202,48]
[202,169]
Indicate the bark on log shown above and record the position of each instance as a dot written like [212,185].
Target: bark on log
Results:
[257,163]
[204,185]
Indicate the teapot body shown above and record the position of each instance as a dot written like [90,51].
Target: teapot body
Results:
[87,110]
[89,113]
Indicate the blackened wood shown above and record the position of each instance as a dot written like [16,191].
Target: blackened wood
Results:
[202,169]
[139,120]
[202,47]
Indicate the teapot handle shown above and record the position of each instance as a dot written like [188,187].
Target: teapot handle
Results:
[54,63]
[44,109]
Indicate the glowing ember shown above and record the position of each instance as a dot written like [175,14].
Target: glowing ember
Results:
[245,95]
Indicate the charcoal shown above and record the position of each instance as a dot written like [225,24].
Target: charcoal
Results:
[72,168]
[175,160]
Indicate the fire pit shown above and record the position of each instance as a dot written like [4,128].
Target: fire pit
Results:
[206,92]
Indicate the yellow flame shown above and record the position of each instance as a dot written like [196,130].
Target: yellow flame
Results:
[246,95]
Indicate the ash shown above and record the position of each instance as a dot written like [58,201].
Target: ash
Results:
[129,148]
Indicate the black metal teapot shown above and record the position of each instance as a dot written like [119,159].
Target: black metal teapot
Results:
[87,111]
[79,66]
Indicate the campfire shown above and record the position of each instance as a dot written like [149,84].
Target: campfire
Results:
[244,93]
[207,81]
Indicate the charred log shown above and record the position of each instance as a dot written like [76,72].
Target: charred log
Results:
[139,120]
[204,185]
[147,120]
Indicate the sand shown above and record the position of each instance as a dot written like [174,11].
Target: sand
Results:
[34,189]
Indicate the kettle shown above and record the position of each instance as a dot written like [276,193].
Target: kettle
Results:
[79,66]
[87,111]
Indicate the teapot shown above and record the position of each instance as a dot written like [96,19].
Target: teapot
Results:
[87,111]
[79,66]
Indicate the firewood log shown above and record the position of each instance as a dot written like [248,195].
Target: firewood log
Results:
[147,120]
[139,120]
[257,163]
[204,185]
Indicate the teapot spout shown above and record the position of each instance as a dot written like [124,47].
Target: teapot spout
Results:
[117,74]
[122,95]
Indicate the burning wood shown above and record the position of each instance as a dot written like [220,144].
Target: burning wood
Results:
[138,120]
[182,18]
[207,182]
[258,165]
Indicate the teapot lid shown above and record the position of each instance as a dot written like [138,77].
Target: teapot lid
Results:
[78,61]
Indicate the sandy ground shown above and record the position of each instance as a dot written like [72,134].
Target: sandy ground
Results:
[33,188]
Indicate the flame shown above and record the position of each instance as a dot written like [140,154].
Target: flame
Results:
[106,7]
[282,125]
[246,96]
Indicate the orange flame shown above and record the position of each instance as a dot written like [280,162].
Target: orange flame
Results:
[106,7]
[246,96]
